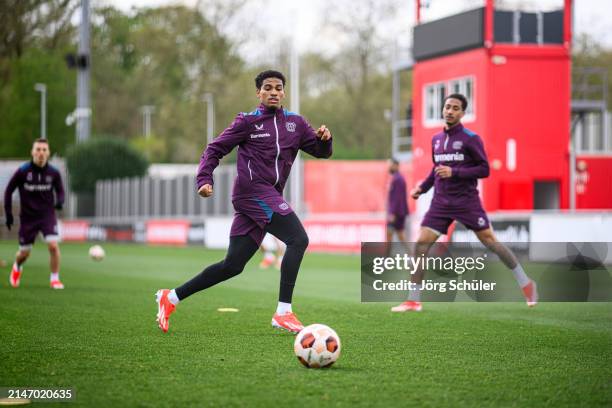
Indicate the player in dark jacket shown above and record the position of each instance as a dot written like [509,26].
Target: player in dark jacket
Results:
[268,140]
[459,160]
[397,203]
[40,193]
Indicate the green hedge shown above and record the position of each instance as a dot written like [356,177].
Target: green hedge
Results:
[101,159]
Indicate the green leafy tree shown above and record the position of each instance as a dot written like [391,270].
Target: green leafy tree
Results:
[20,103]
[34,37]
[167,57]
[588,53]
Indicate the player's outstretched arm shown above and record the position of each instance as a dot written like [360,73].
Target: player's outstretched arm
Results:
[216,150]
[58,186]
[480,169]
[427,183]
[8,198]
[317,143]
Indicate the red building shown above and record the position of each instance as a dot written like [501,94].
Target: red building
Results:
[515,69]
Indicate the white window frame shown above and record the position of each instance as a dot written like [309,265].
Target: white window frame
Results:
[432,106]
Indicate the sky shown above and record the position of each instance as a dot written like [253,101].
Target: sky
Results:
[302,19]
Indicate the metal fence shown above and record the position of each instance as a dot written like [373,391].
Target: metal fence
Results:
[133,199]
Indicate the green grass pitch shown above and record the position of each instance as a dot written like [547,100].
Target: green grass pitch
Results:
[99,336]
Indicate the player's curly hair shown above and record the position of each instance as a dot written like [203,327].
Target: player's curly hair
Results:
[461,97]
[268,74]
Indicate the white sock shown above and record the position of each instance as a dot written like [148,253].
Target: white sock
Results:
[283,308]
[54,276]
[415,295]
[520,276]
[173,298]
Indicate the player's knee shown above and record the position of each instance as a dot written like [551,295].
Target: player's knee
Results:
[232,268]
[487,237]
[299,240]
[54,248]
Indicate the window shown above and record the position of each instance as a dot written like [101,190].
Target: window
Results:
[434,100]
[435,94]
[464,86]
[592,133]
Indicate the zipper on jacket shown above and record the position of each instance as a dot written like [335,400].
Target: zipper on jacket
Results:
[277,150]
[250,172]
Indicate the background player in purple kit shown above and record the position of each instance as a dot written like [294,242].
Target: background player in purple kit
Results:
[397,204]
[459,161]
[37,181]
[268,141]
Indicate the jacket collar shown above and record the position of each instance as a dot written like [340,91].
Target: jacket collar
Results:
[37,167]
[268,111]
[454,130]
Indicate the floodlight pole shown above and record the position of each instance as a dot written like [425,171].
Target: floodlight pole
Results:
[83,116]
[297,178]
[210,116]
[42,88]
[395,102]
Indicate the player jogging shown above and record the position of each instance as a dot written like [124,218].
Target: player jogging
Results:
[459,161]
[268,140]
[397,203]
[37,181]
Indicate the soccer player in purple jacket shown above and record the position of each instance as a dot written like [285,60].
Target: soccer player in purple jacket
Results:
[37,181]
[459,160]
[397,203]
[268,141]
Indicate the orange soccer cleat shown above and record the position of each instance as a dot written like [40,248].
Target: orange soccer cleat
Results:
[56,284]
[287,321]
[531,293]
[15,277]
[267,262]
[164,309]
[408,306]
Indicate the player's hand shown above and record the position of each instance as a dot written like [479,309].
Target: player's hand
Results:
[323,133]
[391,218]
[444,171]
[206,190]
[416,192]
[9,221]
